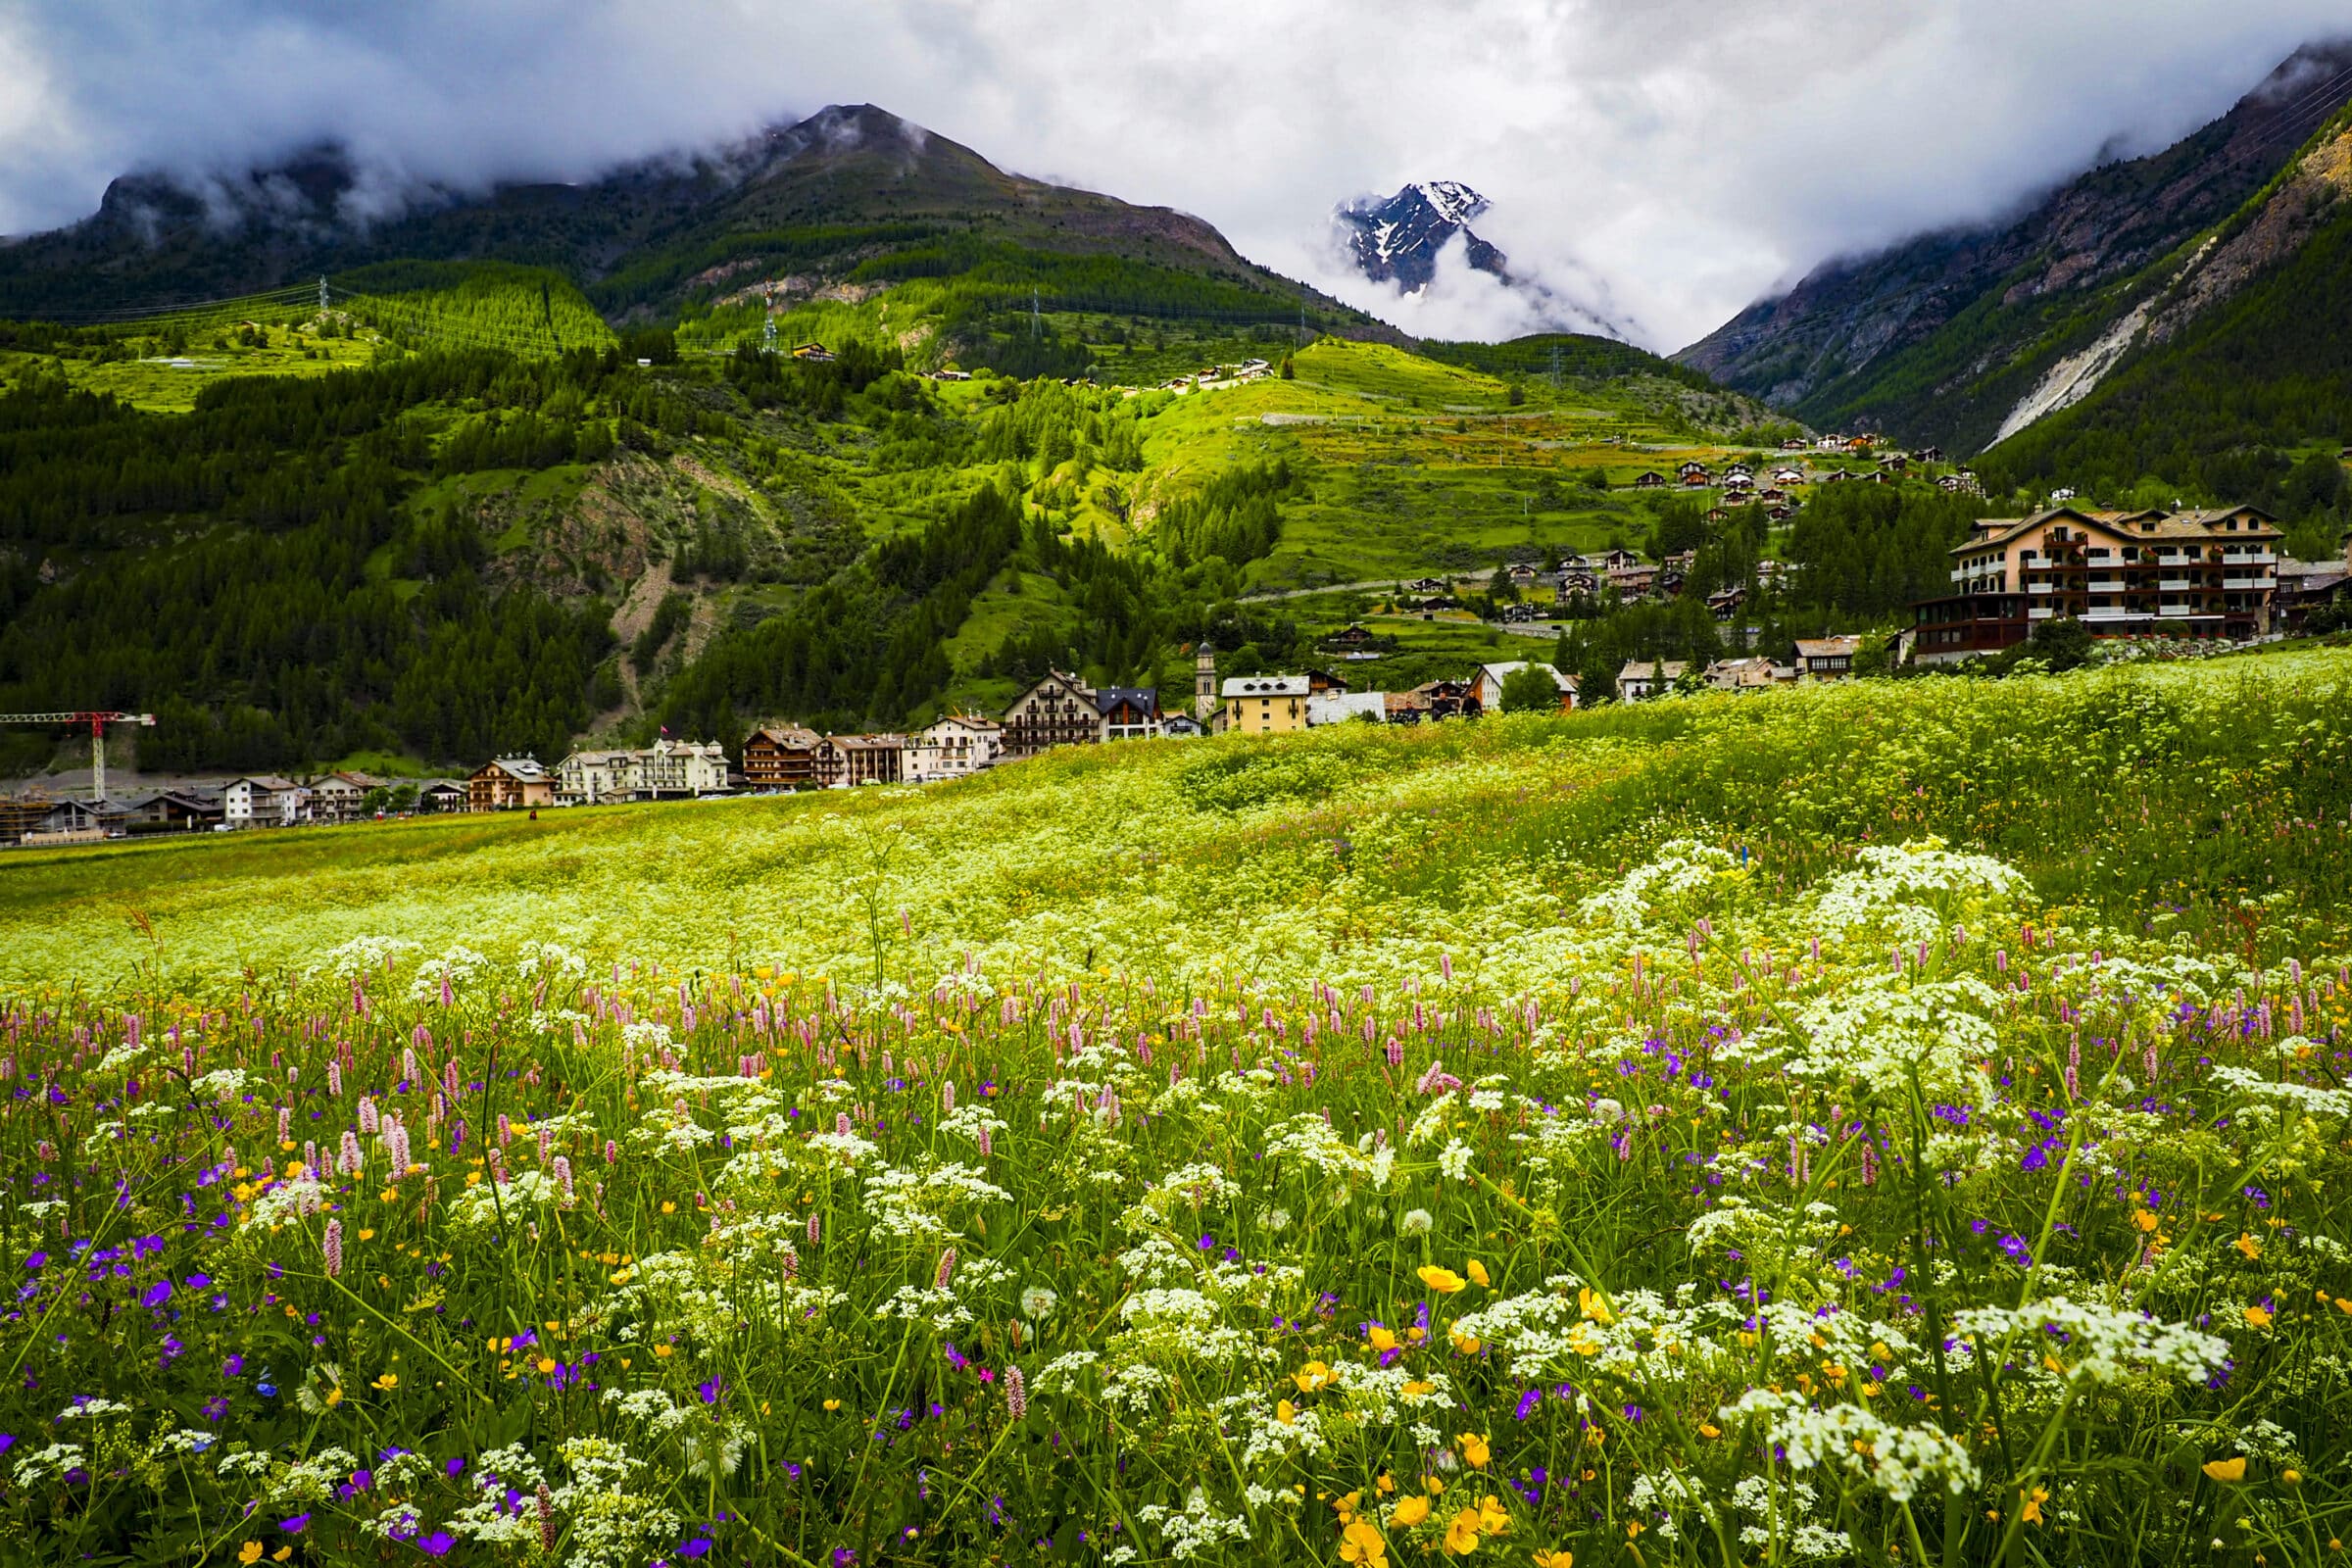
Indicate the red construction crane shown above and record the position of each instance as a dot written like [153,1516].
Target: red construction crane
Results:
[97,722]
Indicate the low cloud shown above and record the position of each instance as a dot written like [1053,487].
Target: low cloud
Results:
[1658,167]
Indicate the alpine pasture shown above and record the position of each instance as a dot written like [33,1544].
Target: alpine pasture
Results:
[1896,1122]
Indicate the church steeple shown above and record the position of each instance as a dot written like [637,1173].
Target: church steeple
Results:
[1205,682]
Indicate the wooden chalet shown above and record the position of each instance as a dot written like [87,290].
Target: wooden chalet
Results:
[171,810]
[510,784]
[781,757]
[1127,712]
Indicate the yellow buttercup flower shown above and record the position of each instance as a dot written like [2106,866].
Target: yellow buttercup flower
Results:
[1462,1532]
[1474,1450]
[1444,1281]
[251,1551]
[1312,1377]
[1284,1411]
[1361,1543]
[387,1381]
[2227,1470]
[1478,1272]
[1381,1339]
[2249,1246]
[1410,1510]
[2258,1317]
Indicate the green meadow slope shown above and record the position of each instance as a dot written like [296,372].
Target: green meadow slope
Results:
[2208,799]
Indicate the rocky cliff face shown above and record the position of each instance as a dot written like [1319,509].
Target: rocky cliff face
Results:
[1951,336]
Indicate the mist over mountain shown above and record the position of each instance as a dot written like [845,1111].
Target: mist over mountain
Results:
[1963,337]
[1659,186]
[842,187]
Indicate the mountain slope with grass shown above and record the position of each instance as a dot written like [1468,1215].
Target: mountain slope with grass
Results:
[299,568]
[846,426]
[2235,377]
[851,187]
[1960,338]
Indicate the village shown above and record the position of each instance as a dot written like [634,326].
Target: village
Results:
[2212,578]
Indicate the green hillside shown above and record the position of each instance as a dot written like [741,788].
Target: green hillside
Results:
[2250,397]
[471,472]
[848,427]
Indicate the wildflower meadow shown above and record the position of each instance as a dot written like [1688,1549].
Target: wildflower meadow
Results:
[1833,1128]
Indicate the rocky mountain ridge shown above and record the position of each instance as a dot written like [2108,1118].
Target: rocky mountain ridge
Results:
[1965,338]
[1397,239]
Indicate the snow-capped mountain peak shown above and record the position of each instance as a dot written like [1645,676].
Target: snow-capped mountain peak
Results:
[1454,201]
[1396,238]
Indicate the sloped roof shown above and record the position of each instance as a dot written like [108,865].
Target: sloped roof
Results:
[2202,525]
[1560,678]
[1264,686]
[1144,696]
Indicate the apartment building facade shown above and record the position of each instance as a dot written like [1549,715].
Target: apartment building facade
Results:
[2175,574]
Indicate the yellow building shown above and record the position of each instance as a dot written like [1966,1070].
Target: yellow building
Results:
[1262,704]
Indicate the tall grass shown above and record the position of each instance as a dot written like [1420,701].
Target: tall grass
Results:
[1627,1139]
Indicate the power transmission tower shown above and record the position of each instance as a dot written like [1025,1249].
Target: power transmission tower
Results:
[768,336]
[1036,321]
[1555,366]
[322,307]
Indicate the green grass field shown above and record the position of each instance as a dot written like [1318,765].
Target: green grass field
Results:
[2118,791]
[165,383]
[1891,1123]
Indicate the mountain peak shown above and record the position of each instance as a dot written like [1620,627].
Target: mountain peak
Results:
[1397,239]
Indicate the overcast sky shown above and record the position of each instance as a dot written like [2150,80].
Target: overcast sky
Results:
[1661,163]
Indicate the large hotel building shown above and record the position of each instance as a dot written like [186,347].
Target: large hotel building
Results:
[2120,573]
